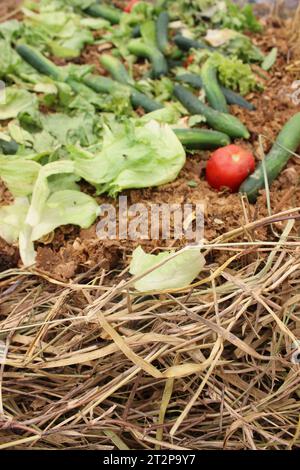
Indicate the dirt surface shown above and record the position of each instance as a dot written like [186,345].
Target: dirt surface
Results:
[71,251]
[9,9]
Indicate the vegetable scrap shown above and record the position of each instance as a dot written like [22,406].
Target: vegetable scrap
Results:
[169,85]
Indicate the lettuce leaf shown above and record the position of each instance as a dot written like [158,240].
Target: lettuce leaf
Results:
[133,155]
[28,221]
[178,272]
[60,30]
[16,101]
[12,219]
[234,74]
[19,175]
[167,115]
[65,207]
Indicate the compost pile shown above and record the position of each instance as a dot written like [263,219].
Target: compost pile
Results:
[117,343]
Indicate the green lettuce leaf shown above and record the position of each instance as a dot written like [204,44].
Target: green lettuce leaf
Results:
[19,175]
[41,190]
[133,155]
[234,74]
[29,221]
[167,115]
[16,101]
[58,29]
[11,29]
[181,269]
[12,219]
[65,207]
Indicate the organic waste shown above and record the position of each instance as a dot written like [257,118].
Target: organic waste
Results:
[229,166]
[67,123]
[113,113]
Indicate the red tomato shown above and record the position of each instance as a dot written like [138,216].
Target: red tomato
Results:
[229,166]
[189,60]
[130,5]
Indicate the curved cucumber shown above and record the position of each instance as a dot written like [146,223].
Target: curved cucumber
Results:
[235,98]
[185,44]
[100,84]
[231,97]
[202,139]
[288,140]
[39,62]
[140,49]
[139,99]
[115,67]
[162,27]
[113,15]
[212,88]
[8,148]
[222,122]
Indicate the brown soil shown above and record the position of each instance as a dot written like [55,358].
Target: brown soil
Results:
[69,254]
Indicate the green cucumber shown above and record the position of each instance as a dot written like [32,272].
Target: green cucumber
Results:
[139,99]
[77,87]
[162,27]
[288,140]
[159,65]
[8,148]
[222,122]
[120,74]
[231,97]
[202,139]
[235,98]
[97,83]
[113,15]
[39,62]
[212,88]
[185,44]
[101,84]
[107,85]
[115,67]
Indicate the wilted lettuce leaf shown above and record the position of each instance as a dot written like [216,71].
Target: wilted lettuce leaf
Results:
[16,101]
[242,47]
[178,272]
[47,132]
[48,210]
[80,128]
[42,190]
[133,155]
[65,207]
[61,31]
[167,115]
[12,219]
[10,29]
[61,208]
[19,175]
[9,59]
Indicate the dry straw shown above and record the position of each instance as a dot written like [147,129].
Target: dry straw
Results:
[95,365]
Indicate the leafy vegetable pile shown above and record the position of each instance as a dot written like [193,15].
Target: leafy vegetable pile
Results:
[64,124]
